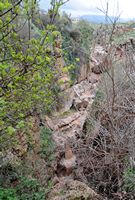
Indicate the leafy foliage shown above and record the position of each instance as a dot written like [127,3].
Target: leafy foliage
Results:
[8,194]
[77,39]
[86,34]
[47,144]
[26,188]
[129,180]
[29,189]
[27,73]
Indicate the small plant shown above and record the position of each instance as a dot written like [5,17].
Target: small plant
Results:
[129,180]
[29,189]
[24,188]
[47,144]
[96,106]
[8,194]
[99,96]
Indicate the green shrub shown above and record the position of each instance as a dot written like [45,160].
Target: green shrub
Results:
[96,106]
[129,180]
[47,144]
[86,35]
[8,194]
[26,189]
[29,189]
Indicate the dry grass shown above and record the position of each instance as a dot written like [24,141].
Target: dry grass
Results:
[107,145]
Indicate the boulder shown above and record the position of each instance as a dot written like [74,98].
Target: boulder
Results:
[98,59]
[81,105]
[69,189]
[68,120]
[67,98]
[84,72]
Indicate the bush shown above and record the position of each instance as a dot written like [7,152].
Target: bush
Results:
[29,189]
[47,144]
[26,189]
[8,194]
[86,35]
[129,180]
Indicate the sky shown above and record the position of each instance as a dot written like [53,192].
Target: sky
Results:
[124,8]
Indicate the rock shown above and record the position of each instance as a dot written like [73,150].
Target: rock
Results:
[84,94]
[93,78]
[80,106]
[68,96]
[72,190]
[68,126]
[69,161]
[49,123]
[8,158]
[84,72]
[82,91]
[98,60]
[103,66]
[96,69]
[70,117]
[93,81]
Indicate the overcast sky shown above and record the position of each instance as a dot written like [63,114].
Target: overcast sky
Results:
[83,7]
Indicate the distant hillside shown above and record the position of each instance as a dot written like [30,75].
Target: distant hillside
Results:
[100,18]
